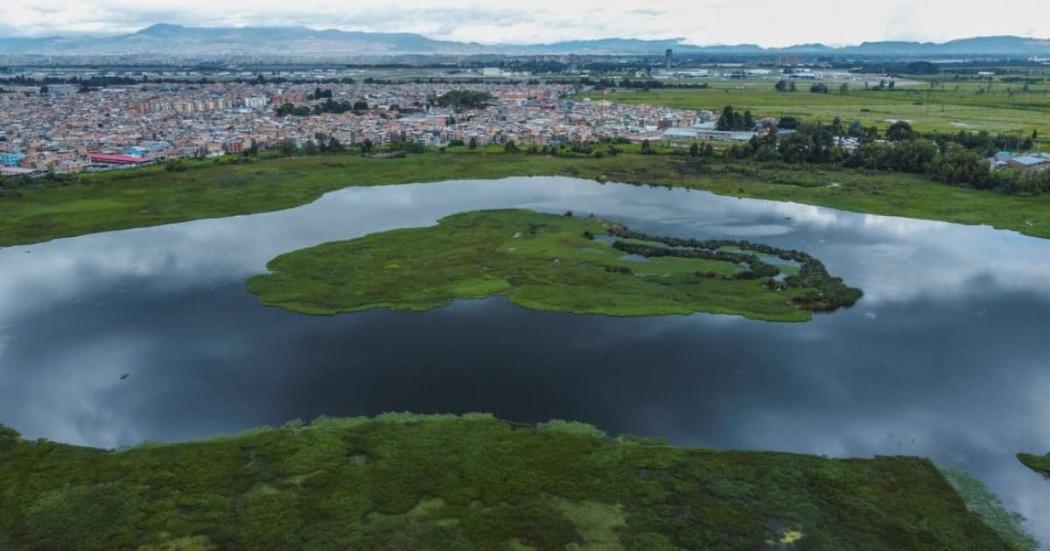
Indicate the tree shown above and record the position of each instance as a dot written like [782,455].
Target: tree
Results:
[367,146]
[286,109]
[320,94]
[900,131]
[958,165]
[857,130]
[412,147]
[176,165]
[694,150]
[461,99]
[844,88]
[809,144]
[732,120]
[647,148]
[473,143]
[836,127]
[287,148]
[792,87]
[767,153]
[819,88]
[725,121]
[788,123]
[510,147]
[781,86]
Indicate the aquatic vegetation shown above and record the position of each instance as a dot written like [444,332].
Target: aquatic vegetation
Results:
[980,500]
[824,291]
[407,481]
[152,196]
[544,262]
[1038,463]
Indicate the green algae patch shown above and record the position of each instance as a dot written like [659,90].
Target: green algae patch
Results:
[549,262]
[469,482]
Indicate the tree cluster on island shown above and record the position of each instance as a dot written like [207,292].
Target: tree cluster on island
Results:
[827,292]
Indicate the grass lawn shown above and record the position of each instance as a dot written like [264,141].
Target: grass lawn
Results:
[149,197]
[538,261]
[949,107]
[410,482]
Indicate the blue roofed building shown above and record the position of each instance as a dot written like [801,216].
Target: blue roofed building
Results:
[135,151]
[11,158]
[1031,163]
[1027,163]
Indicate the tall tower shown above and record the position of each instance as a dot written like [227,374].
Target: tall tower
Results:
[667,59]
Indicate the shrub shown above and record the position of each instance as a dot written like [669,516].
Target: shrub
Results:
[176,165]
[571,427]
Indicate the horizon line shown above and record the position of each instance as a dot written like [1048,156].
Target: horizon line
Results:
[678,40]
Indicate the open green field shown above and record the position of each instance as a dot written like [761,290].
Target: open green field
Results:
[411,482]
[1038,463]
[947,107]
[151,196]
[538,261]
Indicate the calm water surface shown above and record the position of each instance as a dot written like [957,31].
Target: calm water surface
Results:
[947,356]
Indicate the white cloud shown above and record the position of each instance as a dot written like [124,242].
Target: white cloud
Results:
[766,22]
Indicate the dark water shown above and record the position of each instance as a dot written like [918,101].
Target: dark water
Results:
[947,356]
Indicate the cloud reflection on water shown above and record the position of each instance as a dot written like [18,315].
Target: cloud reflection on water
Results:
[946,355]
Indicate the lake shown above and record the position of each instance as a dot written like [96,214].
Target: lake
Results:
[947,355]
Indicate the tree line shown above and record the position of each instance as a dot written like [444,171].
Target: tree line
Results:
[957,159]
[640,84]
[461,100]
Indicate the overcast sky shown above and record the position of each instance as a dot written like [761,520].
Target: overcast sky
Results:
[765,22]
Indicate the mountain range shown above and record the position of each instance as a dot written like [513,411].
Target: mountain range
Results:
[181,41]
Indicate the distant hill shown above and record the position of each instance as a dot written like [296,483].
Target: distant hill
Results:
[164,39]
[1010,46]
[177,40]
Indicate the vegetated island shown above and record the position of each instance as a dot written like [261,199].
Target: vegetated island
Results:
[551,262]
[403,481]
[1038,463]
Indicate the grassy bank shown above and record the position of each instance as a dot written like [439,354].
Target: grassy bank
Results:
[1038,463]
[539,261]
[471,482]
[151,196]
